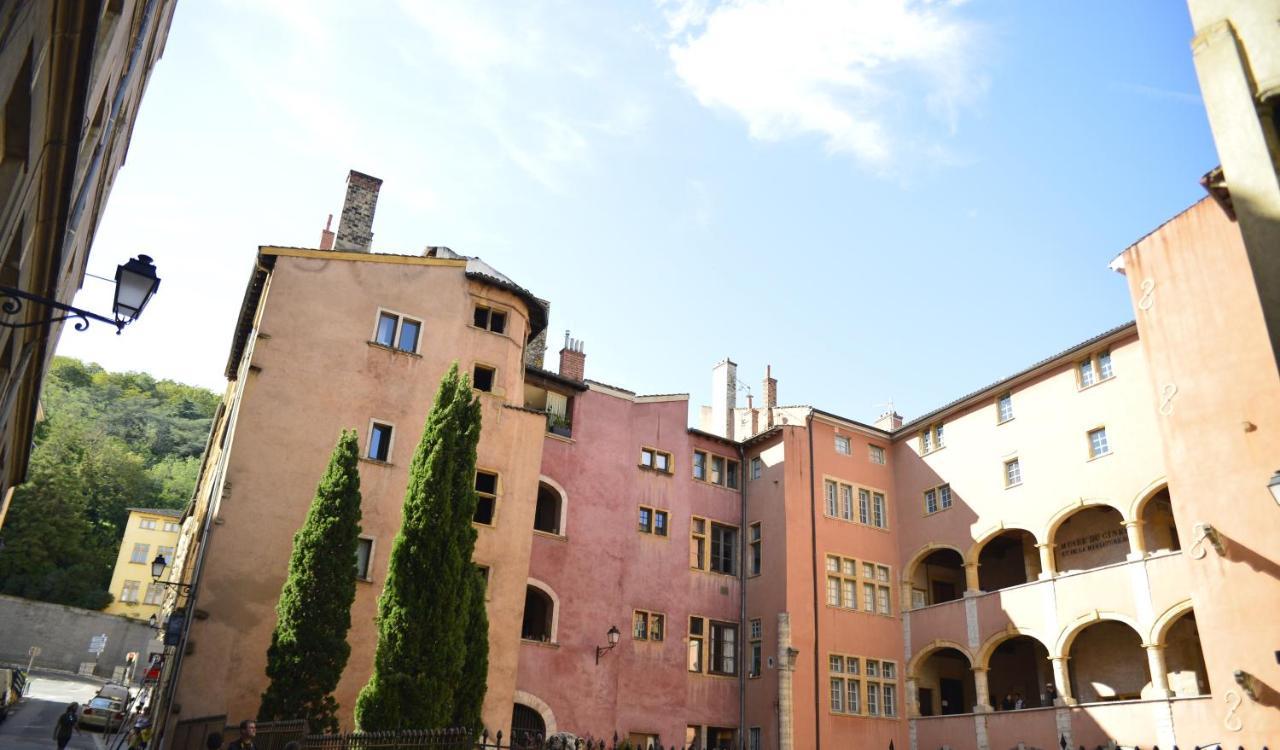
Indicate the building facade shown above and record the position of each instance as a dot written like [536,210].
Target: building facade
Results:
[72,76]
[1046,558]
[148,532]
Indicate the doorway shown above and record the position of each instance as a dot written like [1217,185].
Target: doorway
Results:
[952,693]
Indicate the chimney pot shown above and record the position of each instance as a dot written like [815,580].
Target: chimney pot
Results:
[355,226]
[770,395]
[326,236]
[573,359]
[889,421]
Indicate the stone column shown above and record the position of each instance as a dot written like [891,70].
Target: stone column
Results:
[1137,542]
[1061,680]
[983,691]
[1159,672]
[912,698]
[971,579]
[786,735]
[1048,569]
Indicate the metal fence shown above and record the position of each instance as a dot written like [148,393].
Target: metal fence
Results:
[1062,745]
[462,739]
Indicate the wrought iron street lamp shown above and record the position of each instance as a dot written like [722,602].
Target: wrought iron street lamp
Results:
[136,283]
[613,636]
[1274,486]
[157,569]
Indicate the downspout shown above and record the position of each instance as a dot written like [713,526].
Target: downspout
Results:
[813,541]
[743,474]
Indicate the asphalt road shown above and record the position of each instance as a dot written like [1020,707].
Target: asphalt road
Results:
[29,725]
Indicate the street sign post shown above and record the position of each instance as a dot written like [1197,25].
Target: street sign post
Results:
[32,653]
[98,644]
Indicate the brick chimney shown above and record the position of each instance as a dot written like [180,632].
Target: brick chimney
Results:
[724,396]
[326,236]
[770,396]
[572,359]
[355,226]
[889,421]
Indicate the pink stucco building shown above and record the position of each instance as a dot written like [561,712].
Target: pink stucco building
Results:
[1083,550]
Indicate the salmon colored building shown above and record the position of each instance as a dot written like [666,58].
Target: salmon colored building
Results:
[1082,551]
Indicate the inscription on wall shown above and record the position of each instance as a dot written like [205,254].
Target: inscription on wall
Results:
[1093,542]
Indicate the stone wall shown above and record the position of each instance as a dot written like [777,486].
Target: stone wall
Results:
[63,634]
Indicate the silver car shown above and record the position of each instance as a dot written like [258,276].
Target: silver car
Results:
[103,713]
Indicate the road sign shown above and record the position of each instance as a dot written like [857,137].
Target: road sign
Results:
[33,652]
[98,644]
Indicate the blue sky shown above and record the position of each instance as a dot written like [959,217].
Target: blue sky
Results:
[884,199]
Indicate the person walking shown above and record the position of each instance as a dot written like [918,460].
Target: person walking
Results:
[68,722]
[248,730]
[1050,693]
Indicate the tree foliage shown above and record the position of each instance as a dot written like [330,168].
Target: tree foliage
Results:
[309,646]
[424,611]
[110,441]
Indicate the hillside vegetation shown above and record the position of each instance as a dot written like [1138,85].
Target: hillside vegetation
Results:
[109,441]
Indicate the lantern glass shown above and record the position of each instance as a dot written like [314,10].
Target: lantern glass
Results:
[157,566]
[614,635]
[136,282]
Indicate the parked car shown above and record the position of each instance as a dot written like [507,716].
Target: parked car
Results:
[114,691]
[103,713]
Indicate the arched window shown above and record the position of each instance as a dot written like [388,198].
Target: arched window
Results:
[1008,559]
[1090,538]
[937,578]
[1184,662]
[539,615]
[944,684]
[546,516]
[1108,663]
[528,730]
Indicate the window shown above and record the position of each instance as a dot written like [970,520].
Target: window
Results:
[651,458]
[876,454]
[696,635]
[839,499]
[1012,473]
[931,438]
[755,468]
[698,544]
[482,377]
[843,446]
[140,554]
[487,497]
[846,502]
[490,319]
[753,668]
[364,551]
[147,523]
[864,503]
[155,593]
[642,740]
[753,739]
[937,498]
[1095,369]
[653,521]
[379,441]
[647,626]
[172,526]
[724,649]
[547,509]
[879,517]
[844,673]
[168,553]
[724,549]
[1098,443]
[397,332]
[129,592]
[1004,408]
[719,471]
[831,488]
[753,543]
[842,584]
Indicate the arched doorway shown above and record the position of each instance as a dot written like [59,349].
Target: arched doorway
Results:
[938,578]
[1107,663]
[1184,662]
[1019,668]
[1090,538]
[539,615]
[944,684]
[1159,532]
[527,727]
[1008,559]
[546,515]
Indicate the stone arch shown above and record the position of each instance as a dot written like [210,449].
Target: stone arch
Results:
[564,502]
[924,552]
[982,658]
[1063,513]
[1145,494]
[539,705]
[546,589]
[1062,646]
[1021,572]
[952,584]
[1160,628]
[930,648]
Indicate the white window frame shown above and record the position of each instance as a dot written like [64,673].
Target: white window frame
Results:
[145,549]
[1009,480]
[399,328]
[1093,447]
[876,454]
[1002,400]
[844,445]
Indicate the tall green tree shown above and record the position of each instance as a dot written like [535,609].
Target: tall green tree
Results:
[423,612]
[469,696]
[309,646]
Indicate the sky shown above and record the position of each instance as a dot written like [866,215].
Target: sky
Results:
[888,201]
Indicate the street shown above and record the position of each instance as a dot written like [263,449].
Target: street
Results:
[29,724]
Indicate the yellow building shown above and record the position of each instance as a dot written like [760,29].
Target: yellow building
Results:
[150,531]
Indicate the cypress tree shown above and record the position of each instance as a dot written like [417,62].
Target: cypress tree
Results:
[469,697]
[422,611]
[309,646]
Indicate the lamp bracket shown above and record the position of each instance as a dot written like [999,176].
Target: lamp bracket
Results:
[11,304]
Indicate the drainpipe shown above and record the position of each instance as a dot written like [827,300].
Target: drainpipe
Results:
[743,474]
[813,541]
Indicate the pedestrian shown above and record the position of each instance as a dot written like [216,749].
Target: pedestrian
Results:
[248,730]
[213,741]
[1018,703]
[1006,704]
[68,722]
[1050,693]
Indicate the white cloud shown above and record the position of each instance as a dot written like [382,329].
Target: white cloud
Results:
[861,74]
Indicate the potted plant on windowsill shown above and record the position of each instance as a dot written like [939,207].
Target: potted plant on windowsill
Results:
[558,425]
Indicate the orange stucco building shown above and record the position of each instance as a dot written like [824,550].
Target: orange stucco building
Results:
[1080,551]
